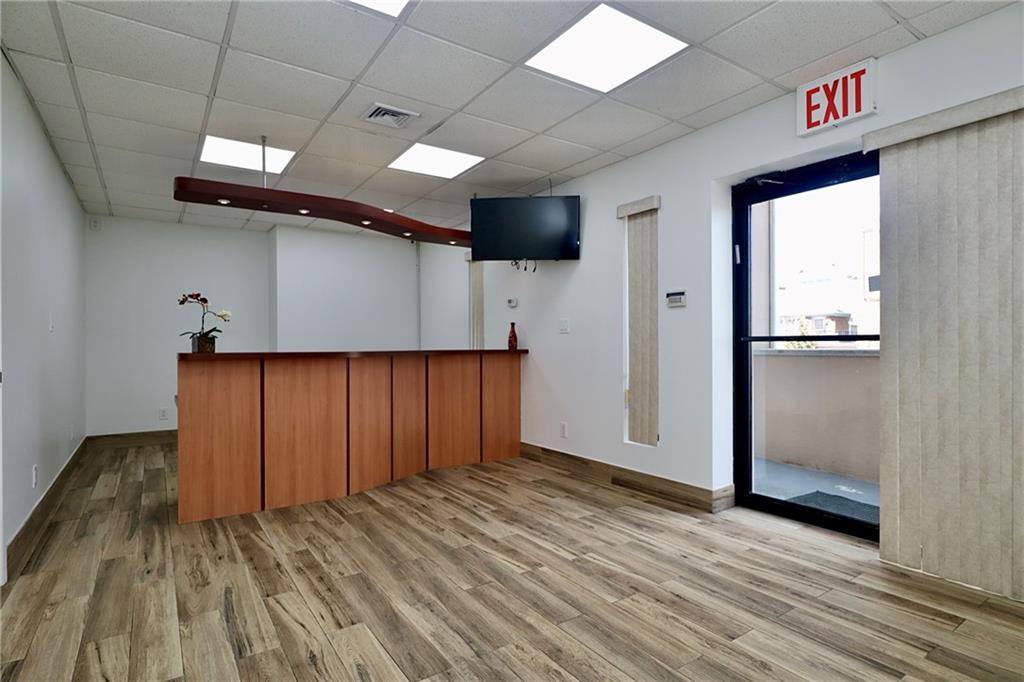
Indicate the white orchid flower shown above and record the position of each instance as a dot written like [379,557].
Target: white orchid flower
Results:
[225,315]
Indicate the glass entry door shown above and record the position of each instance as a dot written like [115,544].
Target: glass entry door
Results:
[807,309]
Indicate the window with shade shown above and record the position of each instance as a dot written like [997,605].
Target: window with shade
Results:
[641,315]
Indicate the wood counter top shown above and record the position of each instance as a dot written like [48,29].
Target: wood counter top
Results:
[339,354]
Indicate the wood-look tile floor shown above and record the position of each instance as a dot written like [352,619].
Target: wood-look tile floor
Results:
[501,571]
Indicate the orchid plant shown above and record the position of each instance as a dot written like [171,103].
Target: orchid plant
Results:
[200,300]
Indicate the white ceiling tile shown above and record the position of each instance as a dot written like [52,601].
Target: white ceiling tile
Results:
[203,19]
[460,192]
[437,209]
[501,175]
[28,27]
[385,200]
[334,226]
[953,14]
[83,176]
[528,100]
[259,226]
[270,84]
[541,186]
[911,8]
[243,122]
[874,46]
[401,182]
[591,165]
[282,218]
[92,194]
[548,154]
[653,139]
[63,122]
[139,200]
[758,94]
[322,36]
[690,82]
[350,113]
[474,135]
[508,30]
[304,186]
[142,52]
[156,183]
[239,176]
[790,33]
[146,214]
[350,144]
[138,163]
[213,221]
[694,21]
[335,171]
[47,80]
[607,124]
[432,70]
[95,207]
[74,153]
[435,220]
[111,131]
[132,99]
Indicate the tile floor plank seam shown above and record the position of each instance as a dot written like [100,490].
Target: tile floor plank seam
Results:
[507,570]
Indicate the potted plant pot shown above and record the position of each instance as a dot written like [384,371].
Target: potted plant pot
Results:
[204,344]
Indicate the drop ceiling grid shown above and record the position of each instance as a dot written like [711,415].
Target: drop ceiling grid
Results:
[600,150]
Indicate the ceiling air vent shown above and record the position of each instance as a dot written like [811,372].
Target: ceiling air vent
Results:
[387,115]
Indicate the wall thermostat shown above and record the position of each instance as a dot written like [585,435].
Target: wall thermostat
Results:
[676,299]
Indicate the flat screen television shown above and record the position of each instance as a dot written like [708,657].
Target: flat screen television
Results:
[526,228]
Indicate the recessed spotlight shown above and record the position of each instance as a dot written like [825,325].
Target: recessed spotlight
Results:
[605,49]
[365,222]
[389,210]
[452,242]
[390,7]
[437,161]
[223,202]
[407,234]
[304,211]
[238,154]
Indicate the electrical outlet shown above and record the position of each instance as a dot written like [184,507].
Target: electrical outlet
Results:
[35,475]
[563,325]
[161,414]
[564,429]
[51,323]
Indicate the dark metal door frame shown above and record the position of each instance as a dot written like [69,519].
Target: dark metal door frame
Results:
[753,191]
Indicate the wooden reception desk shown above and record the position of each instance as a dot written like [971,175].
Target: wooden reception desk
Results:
[265,430]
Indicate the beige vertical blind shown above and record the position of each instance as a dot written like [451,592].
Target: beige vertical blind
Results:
[952,357]
[642,341]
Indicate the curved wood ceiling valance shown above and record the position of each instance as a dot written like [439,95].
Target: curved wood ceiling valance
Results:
[199,191]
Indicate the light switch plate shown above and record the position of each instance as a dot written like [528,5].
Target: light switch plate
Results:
[563,325]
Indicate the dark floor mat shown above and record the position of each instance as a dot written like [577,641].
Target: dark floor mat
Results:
[837,504]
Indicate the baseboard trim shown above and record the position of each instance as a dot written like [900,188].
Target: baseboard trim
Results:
[703,499]
[25,540]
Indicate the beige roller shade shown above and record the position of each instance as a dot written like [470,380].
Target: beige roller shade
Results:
[952,358]
[642,342]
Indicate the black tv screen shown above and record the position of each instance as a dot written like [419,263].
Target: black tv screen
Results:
[526,228]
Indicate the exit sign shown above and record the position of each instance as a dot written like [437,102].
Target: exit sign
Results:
[835,99]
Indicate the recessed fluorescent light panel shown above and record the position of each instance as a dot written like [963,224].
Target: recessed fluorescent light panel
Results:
[390,7]
[239,154]
[437,161]
[605,49]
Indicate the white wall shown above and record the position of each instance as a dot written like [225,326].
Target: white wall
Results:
[42,277]
[338,291]
[135,271]
[444,297]
[578,377]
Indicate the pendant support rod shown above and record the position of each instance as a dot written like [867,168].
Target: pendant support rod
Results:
[263,141]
